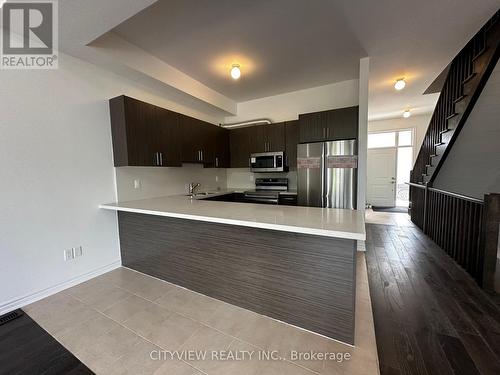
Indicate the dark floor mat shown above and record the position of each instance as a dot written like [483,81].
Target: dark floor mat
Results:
[391,209]
[26,348]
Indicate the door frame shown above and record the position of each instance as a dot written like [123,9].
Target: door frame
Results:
[396,147]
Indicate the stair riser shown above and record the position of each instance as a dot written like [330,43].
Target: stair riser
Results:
[446,137]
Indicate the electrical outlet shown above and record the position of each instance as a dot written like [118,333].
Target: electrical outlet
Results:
[78,251]
[68,254]
[216,178]
[137,184]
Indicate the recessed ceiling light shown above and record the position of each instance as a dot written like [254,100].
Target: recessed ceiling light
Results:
[406,113]
[400,84]
[235,71]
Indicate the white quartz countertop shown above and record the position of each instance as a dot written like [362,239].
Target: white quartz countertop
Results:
[329,222]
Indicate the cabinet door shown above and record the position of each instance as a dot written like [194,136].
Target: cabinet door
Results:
[239,147]
[342,123]
[168,137]
[140,122]
[222,159]
[291,141]
[312,127]
[275,136]
[257,138]
[191,135]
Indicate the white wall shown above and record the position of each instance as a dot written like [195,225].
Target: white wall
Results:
[288,106]
[419,123]
[364,78]
[473,165]
[157,182]
[56,168]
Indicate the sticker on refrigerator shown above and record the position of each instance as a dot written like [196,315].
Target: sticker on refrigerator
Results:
[342,161]
[308,163]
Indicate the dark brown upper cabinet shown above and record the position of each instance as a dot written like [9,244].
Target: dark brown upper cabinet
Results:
[274,136]
[291,141]
[240,148]
[143,134]
[267,138]
[336,124]
[204,143]
[221,148]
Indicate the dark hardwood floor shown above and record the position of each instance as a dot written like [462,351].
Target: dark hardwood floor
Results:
[27,349]
[430,316]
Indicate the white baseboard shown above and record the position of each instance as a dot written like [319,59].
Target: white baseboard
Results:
[33,297]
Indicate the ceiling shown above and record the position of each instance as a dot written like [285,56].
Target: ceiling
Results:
[281,45]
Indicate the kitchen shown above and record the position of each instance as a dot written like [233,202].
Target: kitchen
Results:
[317,150]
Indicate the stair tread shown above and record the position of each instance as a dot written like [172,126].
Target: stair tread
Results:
[480,53]
[472,75]
[461,97]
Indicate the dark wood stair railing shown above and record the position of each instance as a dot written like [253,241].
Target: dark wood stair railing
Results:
[469,71]
[465,228]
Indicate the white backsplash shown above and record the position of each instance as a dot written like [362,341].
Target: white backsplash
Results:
[242,178]
[158,182]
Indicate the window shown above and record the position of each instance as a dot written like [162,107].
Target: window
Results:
[405,138]
[379,140]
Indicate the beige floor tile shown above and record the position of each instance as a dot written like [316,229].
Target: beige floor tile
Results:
[263,332]
[78,338]
[120,277]
[60,311]
[208,342]
[249,360]
[147,321]
[173,367]
[108,348]
[123,310]
[283,367]
[149,287]
[173,332]
[190,304]
[229,319]
[138,361]
[100,297]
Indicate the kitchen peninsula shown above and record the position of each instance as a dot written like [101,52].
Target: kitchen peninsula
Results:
[294,264]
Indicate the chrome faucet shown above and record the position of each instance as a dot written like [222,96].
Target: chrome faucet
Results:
[192,187]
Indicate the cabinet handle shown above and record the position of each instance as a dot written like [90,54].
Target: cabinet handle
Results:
[216,162]
[161,158]
[155,159]
[201,153]
[199,156]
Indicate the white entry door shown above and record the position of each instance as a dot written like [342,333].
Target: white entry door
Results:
[381,183]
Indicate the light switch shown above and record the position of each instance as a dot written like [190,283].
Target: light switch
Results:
[137,184]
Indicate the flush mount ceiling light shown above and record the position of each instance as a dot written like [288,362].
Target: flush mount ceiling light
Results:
[406,113]
[400,84]
[235,71]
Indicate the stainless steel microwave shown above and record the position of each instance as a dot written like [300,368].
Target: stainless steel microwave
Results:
[268,162]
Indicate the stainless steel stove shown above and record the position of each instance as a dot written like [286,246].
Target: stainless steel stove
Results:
[267,190]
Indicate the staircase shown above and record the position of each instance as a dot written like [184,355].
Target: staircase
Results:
[469,71]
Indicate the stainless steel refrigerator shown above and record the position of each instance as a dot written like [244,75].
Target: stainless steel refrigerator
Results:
[327,174]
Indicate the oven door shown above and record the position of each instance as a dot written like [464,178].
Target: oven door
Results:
[267,162]
[261,198]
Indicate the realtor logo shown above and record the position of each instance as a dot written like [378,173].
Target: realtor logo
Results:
[29,34]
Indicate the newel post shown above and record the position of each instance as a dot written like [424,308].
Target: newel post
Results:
[489,238]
